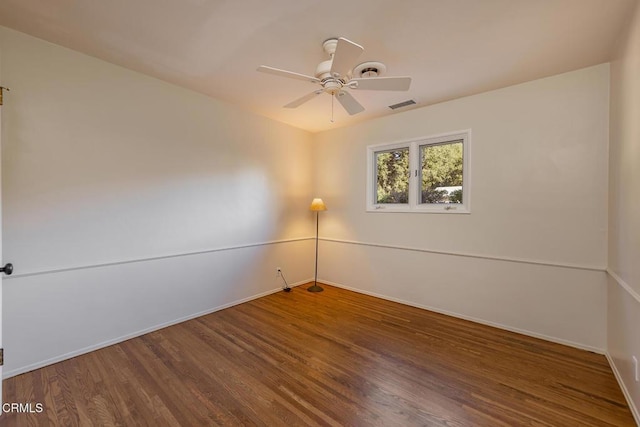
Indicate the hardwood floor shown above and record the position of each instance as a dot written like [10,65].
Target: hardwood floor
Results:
[333,358]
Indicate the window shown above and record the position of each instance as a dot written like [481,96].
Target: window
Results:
[392,176]
[425,175]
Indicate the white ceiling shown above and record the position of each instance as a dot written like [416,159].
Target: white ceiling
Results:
[451,48]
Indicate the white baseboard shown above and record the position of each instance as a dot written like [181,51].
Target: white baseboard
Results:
[472,319]
[69,355]
[623,387]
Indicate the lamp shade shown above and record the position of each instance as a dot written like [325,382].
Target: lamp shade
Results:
[318,205]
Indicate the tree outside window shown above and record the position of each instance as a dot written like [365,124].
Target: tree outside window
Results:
[441,166]
[393,176]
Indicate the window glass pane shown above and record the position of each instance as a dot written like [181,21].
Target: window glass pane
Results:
[441,173]
[392,176]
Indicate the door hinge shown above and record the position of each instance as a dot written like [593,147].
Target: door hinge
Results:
[1,356]
[3,89]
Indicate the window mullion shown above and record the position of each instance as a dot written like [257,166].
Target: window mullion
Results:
[414,174]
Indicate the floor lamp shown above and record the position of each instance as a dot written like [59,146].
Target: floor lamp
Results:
[317,205]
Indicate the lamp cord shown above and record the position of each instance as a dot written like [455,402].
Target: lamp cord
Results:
[286,285]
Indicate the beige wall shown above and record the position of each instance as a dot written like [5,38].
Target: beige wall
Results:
[624,211]
[101,166]
[531,255]
[130,203]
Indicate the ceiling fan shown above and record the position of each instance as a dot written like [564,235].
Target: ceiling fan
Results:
[339,73]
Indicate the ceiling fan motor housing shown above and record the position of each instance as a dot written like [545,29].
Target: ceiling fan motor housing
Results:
[323,70]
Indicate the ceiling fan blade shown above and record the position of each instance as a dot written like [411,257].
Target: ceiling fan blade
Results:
[381,83]
[308,97]
[285,73]
[349,103]
[345,57]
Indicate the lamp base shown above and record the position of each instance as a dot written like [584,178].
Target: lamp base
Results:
[315,288]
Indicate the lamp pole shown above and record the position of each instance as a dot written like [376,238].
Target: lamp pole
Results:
[317,205]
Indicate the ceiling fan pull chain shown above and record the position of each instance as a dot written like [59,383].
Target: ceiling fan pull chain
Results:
[332,99]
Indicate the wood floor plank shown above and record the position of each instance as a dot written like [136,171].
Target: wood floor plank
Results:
[334,358]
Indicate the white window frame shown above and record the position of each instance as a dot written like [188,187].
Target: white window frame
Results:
[415,178]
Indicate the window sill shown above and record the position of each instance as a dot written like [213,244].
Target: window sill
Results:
[446,209]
